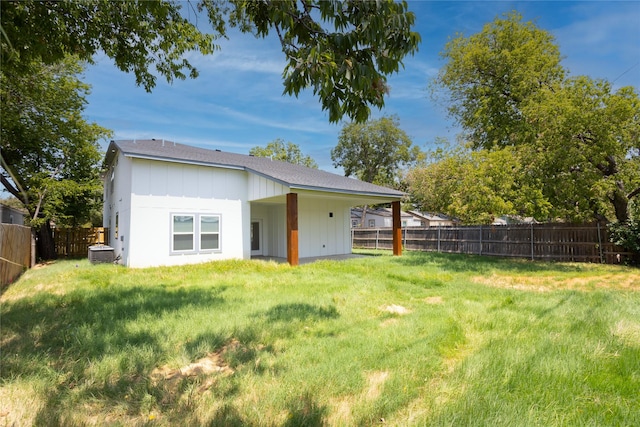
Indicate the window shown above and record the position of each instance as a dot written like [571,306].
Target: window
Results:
[209,232]
[372,223]
[183,232]
[185,228]
[354,222]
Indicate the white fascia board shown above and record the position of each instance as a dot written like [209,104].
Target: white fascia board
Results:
[187,162]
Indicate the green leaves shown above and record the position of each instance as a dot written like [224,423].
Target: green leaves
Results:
[375,151]
[343,51]
[139,36]
[344,56]
[289,152]
[491,76]
[50,154]
[477,186]
[578,139]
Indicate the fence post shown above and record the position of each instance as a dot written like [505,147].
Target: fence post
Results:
[532,252]
[377,236]
[600,243]
[404,230]
[481,240]
[439,237]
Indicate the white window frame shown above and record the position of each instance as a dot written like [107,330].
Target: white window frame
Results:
[174,233]
[210,233]
[196,232]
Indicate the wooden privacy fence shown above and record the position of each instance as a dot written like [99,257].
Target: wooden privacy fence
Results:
[15,251]
[75,242]
[556,242]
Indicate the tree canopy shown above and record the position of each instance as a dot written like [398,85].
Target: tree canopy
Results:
[578,138]
[492,75]
[286,152]
[342,50]
[50,154]
[376,151]
[476,186]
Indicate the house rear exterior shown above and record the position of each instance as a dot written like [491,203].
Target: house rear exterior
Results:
[171,204]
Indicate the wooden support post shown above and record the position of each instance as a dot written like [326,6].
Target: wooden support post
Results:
[397,228]
[292,228]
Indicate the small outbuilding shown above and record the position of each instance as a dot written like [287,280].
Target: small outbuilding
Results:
[11,215]
[169,204]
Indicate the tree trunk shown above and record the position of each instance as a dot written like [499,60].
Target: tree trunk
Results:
[364,216]
[45,246]
[621,206]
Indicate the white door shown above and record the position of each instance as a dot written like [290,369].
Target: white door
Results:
[256,237]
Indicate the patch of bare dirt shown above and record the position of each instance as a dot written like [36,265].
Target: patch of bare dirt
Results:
[375,382]
[42,265]
[396,309]
[213,363]
[547,284]
[434,300]
[341,413]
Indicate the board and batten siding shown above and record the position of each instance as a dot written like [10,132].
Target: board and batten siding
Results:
[160,189]
[263,188]
[323,226]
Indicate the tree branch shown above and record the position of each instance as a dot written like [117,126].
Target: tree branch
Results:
[15,189]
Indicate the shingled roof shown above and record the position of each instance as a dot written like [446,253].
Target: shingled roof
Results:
[293,176]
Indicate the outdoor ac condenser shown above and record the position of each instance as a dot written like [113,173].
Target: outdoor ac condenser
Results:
[100,253]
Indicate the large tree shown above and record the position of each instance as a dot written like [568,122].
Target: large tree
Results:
[377,151]
[49,154]
[286,152]
[587,149]
[342,50]
[476,186]
[579,138]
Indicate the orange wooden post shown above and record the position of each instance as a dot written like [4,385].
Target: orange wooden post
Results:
[292,228]
[397,228]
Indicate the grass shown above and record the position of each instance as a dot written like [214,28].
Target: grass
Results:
[423,339]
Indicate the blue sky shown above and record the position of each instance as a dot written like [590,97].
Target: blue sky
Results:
[236,103]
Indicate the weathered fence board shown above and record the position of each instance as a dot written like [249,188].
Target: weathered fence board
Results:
[557,242]
[15,251]
[75,242]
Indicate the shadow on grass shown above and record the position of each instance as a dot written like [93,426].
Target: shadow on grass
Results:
[300,311]
[62,339]
[305,411]
[460,263]
[301,411]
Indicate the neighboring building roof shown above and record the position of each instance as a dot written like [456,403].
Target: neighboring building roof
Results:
[430,216]
[513,219]
[294,176]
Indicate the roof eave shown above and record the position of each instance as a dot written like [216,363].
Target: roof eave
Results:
[346,191]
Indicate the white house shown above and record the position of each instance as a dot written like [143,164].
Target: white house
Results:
[169,204]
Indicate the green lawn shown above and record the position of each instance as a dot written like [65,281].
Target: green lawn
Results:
[422,339]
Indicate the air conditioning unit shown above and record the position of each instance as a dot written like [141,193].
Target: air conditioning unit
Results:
[100,253]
